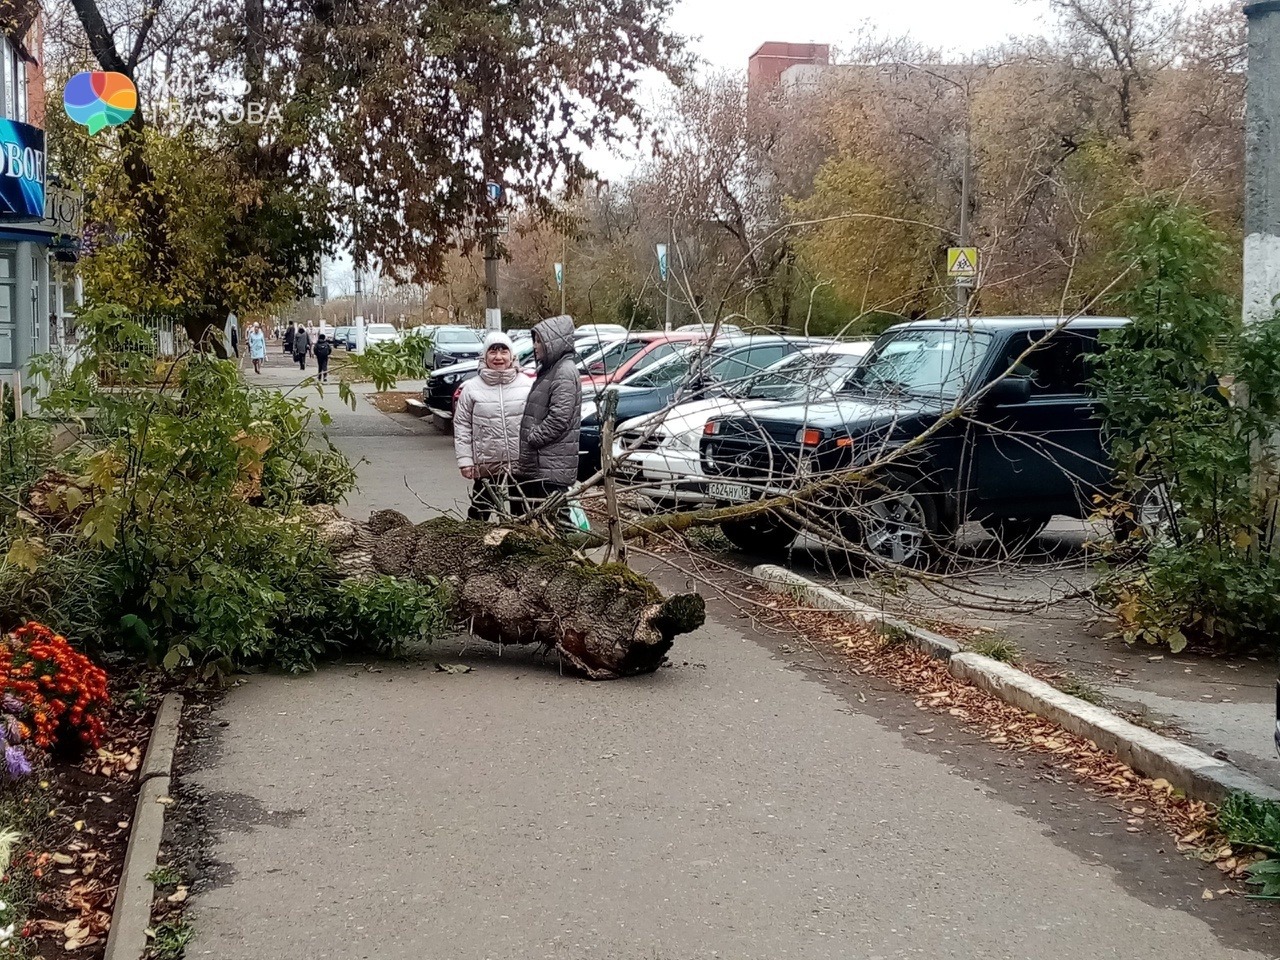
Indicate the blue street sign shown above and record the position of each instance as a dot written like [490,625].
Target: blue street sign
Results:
[494,189]
[662,261]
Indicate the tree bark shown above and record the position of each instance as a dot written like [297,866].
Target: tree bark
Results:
[519,585]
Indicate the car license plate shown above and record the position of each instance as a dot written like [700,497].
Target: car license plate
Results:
[733,492]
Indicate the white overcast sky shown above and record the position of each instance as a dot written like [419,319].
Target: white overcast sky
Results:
[726,32]
[729,31]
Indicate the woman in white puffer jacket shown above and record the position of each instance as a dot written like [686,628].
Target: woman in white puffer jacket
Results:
[486,425]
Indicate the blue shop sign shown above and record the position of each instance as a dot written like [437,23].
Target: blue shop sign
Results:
[21,171]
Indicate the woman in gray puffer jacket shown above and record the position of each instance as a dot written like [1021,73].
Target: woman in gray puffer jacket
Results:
[553,415]
[486,425]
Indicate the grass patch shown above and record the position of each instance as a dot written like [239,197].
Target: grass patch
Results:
[1081,689]
[23,827]
[169,940]
[997,647]
[165,876]
[1247,821]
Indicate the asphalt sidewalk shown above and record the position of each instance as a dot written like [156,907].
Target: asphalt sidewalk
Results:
[1225,706]
[742,803]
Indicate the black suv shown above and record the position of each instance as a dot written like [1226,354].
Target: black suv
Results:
[1026,447]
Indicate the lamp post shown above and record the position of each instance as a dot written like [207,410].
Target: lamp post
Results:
[1262,153]
[962,288]
[359,317]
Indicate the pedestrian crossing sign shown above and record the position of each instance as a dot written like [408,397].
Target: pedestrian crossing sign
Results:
[962,262]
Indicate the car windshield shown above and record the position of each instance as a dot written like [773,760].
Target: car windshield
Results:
[457,338]
[382,329]
[921,363]
[613,356]
[800,377]
[671,370]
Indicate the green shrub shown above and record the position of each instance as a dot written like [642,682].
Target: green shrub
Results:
[179,536]
[386,363]
[1249,821]
[1211,577]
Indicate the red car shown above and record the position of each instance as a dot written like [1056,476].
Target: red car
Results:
[639,350]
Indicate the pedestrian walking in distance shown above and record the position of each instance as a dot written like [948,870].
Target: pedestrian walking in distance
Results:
[486,426]
[552,417]
[301,347]
[289,334]
[257,346]
[322,349]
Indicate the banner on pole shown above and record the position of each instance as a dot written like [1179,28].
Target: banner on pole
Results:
[662,262]
[559,276]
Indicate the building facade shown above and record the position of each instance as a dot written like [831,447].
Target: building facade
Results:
[39,223]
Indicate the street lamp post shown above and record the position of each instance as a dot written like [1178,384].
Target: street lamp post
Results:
[966,175]
[1262,154]
[359,317]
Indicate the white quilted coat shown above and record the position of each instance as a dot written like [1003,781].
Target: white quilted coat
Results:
[486,423]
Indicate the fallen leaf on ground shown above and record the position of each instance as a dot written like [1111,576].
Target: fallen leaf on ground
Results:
[453,668]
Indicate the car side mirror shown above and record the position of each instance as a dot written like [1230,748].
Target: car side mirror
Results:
[1009,392]
[597,369]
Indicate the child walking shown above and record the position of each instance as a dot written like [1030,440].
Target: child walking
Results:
[322,349]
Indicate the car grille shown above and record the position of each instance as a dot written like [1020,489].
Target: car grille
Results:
[745,451]
[631,440]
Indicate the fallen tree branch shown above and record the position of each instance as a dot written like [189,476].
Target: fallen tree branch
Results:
[518,585]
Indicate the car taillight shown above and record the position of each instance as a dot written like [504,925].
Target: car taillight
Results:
[456,394]
[809,437]
[711,429]
[844,441]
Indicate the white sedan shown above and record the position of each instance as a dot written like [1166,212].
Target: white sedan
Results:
[380,333]
[658,454]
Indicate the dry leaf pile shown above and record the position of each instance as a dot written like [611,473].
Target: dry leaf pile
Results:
[1142,801]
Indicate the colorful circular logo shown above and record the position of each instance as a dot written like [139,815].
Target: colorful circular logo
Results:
[98,99]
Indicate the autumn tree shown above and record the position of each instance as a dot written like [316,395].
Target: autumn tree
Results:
[387,117]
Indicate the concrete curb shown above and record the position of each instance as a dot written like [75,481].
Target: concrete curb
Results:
[1199,775]
[131,915]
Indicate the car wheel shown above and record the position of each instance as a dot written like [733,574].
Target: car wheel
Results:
[765,533]
[1151,517]
[443,424]
[894,522]
[1015,532]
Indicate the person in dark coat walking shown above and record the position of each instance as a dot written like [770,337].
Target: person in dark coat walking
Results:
[301,347]
[322,349]
[288,340]
[552,416]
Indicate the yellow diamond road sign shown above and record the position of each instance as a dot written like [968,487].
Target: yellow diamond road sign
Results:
[962,262]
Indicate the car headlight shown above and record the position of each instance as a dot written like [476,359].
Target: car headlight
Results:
[687,442]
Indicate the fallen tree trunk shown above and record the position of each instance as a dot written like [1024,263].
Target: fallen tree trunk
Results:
[519,585]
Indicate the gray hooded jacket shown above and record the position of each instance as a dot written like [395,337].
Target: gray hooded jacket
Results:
[553,412]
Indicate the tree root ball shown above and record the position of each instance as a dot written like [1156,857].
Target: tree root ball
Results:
[519,585]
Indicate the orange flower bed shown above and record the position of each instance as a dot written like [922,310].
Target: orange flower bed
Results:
[61,691]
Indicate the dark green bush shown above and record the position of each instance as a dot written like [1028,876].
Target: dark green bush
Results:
[178,538]
[1191,404]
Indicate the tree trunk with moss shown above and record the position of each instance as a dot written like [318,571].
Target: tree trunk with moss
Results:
[519,585]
